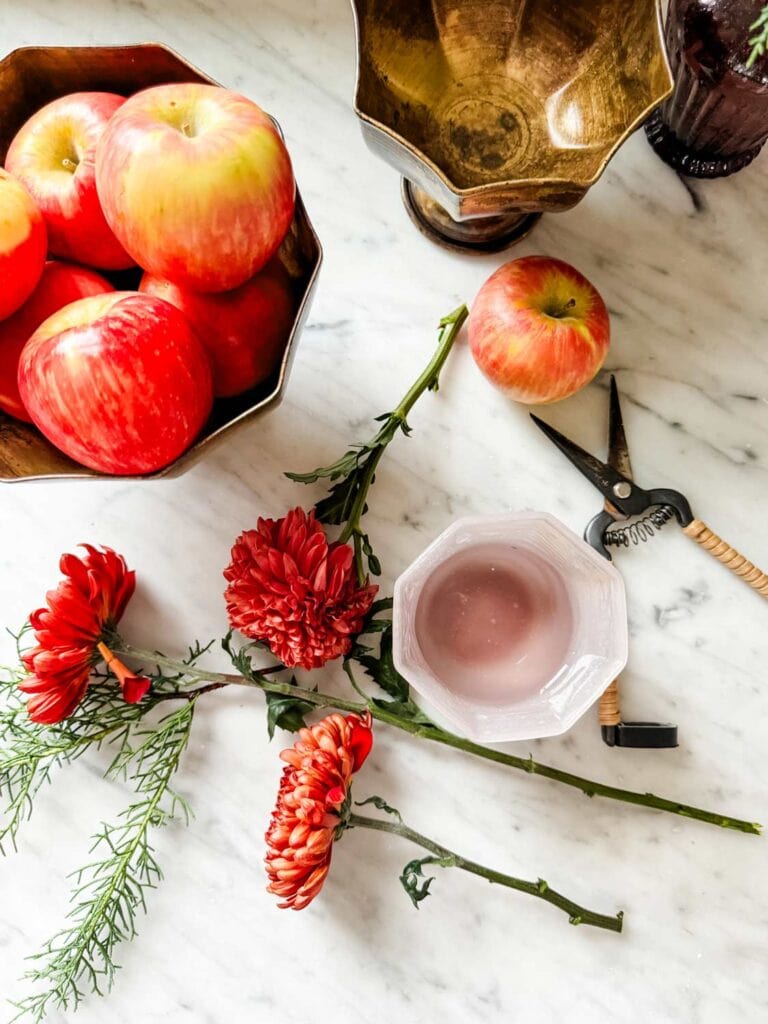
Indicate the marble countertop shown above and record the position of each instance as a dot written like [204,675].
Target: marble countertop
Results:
[682,268]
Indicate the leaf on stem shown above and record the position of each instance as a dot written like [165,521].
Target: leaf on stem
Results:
[351,461]
[382,805]
[239,656]
[413,881]
[382,668]
[384,604]
[286,712]
[283,710]
[353,474]
[372,623]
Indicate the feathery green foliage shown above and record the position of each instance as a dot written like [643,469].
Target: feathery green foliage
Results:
[29,752]
[112,889]
[759,41]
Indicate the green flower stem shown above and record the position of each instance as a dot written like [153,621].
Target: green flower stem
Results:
[587,786]
[427,380]
[540,889]
[190,695]
[448,739]
[353,528]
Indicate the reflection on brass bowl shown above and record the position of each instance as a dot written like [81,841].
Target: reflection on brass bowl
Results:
[496,112]
[31,77]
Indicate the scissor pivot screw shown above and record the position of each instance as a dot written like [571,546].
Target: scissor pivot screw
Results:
[622,489]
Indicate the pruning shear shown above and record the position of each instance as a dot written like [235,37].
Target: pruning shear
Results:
[649,510]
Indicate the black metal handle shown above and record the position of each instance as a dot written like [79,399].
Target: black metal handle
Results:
[649,735]
[676,501]
[594,534]
[661,497]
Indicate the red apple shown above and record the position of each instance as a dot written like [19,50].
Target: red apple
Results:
[118,382]
[53,155]
[22,244]
[196,183]
[538,329]
[60,284]
[244,331]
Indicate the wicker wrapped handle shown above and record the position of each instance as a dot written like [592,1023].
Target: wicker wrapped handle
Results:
[729,556]
[608,712]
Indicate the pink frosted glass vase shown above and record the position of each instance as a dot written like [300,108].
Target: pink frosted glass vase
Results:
[510,626]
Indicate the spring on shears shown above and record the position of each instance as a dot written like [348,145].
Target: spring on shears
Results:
[642,530]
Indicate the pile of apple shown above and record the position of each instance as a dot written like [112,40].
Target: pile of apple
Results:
[192,184]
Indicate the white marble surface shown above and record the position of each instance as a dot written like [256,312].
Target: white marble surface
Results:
[683,271]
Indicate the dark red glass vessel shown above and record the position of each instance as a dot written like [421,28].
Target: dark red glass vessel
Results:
[716,120]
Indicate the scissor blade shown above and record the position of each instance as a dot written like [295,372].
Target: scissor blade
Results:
[600,474]
[618,450]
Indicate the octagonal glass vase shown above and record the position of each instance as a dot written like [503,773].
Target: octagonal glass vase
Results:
[523,577]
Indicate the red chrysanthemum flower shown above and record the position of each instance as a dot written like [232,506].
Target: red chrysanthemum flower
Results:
[81,614]
[291,589]
[314,786]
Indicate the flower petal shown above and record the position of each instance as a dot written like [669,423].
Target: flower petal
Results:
[88,602]
[290,589]
[315,782]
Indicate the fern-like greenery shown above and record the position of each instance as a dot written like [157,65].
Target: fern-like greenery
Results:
[112,889]
[29,753]
[758,41]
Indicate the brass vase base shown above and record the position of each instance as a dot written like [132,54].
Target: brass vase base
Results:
[691,162]
[479,234]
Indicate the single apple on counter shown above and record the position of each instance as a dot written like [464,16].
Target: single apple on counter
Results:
[118,382]
[244,331]
[23,244]
[60,284]
[196,183]
[539,330]
[53,155]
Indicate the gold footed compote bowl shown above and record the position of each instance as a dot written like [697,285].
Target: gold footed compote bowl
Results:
[495,111]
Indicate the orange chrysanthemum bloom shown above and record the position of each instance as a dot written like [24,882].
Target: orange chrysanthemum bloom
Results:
[81,613]
[291,589]
[314,786]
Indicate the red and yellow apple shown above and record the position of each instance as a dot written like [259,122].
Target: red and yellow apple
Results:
[60,284]
[118,382]
[196,183]
[23,244]
[539,330]
[53,155]
[244,331]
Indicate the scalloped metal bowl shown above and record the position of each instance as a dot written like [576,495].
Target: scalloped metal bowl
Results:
[31,77]
[500,111]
